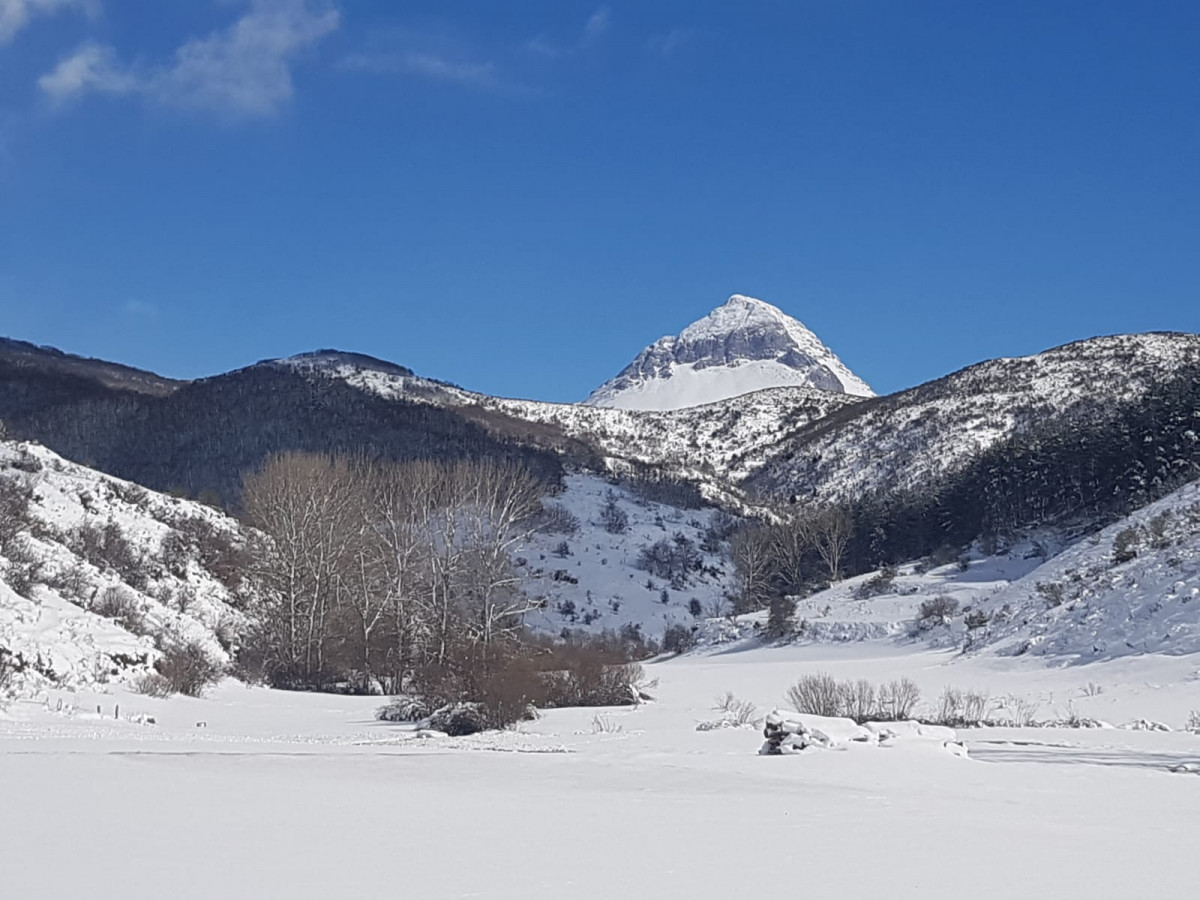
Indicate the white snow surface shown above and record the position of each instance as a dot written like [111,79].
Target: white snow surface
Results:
[253,793]
[659,380]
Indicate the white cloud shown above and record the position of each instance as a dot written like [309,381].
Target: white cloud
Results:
[597,24]
[425,64]
[90,68]
[244,70]
[16,14]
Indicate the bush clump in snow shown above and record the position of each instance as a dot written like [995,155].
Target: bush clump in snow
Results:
[614,519]
[403,709]
[459,719]
[822,695]
[937,610]
[188,670]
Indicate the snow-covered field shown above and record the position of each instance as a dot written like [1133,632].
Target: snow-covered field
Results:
[252,793]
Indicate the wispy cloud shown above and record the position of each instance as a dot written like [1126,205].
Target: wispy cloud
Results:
[243,70]
[425,64]
[597,25]
[16,14]
[666,44]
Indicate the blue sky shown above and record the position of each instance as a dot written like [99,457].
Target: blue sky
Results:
[519,196]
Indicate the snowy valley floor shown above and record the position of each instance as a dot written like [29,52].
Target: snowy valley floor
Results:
[295,796]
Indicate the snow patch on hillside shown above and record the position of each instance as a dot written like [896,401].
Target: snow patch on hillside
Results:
[598,584]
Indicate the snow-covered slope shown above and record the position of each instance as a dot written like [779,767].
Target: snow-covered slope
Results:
[743,346]
[1133,588]
[100,575]
[590,579]
[906,440]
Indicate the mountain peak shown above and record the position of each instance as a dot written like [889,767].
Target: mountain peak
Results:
[744,345]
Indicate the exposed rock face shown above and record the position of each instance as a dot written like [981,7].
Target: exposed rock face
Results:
[745,345]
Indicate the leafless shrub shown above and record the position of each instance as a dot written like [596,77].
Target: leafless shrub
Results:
[71,582]
[1052,591]
[189,669]
[957,708]
[557,519]
[26,565]
[614,519]
[8,670]
[1022,712]
[153,684]
[1125,545]
[898,699]
[589,682]
[1159,539]
[976,619]
[1092,689]
[818,695]
[737,712]
[404,709]
[116,603]
[107,548]
[605,725]
[858,700]
[16,496]
[937,610]
[1193,722]
[678,639]
[879,583]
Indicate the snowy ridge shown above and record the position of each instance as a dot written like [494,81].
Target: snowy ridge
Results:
[725,440]
[79,621]
[905,440]
[743,346]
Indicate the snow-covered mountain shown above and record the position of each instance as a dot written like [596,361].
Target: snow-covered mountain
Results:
[743,346]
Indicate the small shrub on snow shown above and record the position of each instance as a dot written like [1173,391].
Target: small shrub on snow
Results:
[589,682]
[16,495]
[459,719]
[1125,545]
[614,519]
[879,583]
[678,639]
[403,709]
[958,708]
[898,699]
[153,684]
[605,725]
[25,565]
[1193,722]
[976,619]
[188,669]
[937,610]
[557,519]
[1052,592]
[816,695]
